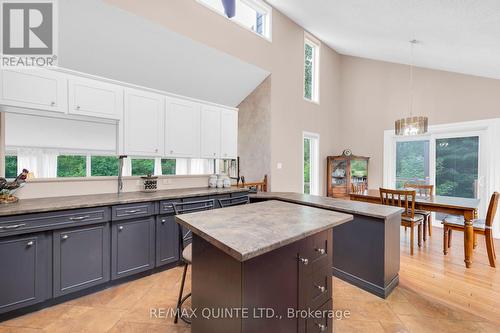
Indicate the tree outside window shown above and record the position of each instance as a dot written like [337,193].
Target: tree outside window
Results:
[142,167]
[71,166]
[104,166]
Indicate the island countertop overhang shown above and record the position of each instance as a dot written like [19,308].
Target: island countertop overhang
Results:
[247,231]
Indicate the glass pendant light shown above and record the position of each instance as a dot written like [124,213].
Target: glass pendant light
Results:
[412,125]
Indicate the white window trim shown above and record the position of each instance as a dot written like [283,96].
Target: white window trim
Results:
[314,169]
[489,155]
[268,35]
[316,43]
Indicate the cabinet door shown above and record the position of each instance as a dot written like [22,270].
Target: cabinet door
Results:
[167,240]
[94,98]
[35,89]
[229,134]
[210,132]
[81,258]
[133,247]
[25,271]
[182,134]
[143,123]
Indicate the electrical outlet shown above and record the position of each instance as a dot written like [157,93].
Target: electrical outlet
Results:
[279,166]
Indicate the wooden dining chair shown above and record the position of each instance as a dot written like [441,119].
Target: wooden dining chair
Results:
[481,227]
[427,191]
[409,219]
[358,188]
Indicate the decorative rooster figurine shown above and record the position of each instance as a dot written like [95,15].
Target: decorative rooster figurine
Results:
[8,188]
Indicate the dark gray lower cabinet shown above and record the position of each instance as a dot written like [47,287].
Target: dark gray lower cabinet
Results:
[81,258]
[132,246]
[25,277]
[167,240]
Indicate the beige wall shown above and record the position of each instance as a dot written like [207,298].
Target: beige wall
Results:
[283,57]
[375,93]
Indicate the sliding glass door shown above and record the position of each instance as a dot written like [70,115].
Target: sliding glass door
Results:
[451,163]
[457,166]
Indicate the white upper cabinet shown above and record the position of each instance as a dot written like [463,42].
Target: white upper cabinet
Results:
[210,131]
[34,89]
[229,134]
[143,123]
[94,98]
[182,128]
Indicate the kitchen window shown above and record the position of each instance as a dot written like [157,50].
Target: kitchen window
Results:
[102,166]
[254,15]
[50,163]
[10,166]
[311,68]
[71,166]
[142,167]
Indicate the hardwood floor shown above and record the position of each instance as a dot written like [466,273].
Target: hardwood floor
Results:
[436,294]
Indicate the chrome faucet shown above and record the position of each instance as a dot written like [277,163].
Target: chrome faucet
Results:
[120,173]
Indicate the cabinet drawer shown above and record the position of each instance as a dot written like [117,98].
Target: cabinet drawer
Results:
[52,220]
[317,288]
[124,212]
[167,206]
[317,250]
[321,323]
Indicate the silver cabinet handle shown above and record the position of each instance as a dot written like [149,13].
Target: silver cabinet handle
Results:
[79,218]
[120,228]
[321,288]
[304,261]
[52,103]
[156,150]
[13,226]
[321,251]
[171,152]
[64,236]
[30,243]
[163,221]
[133,211]
[78,107]
[322,327]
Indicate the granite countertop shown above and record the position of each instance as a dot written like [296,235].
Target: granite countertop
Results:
[27,206]
[341,205]
[247,231]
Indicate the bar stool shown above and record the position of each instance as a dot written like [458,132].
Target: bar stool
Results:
[236,201]
[186,250]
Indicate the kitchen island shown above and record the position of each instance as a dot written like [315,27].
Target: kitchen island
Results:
[365,251]
[261,267]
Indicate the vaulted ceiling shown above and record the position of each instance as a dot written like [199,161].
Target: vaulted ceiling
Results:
[455,35]
[103,40]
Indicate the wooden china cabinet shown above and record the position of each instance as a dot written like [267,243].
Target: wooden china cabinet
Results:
[345,170]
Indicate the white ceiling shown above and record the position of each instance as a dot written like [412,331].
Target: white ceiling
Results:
[100,39]
[456,35]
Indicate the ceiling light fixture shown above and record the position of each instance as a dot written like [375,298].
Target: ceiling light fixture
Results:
[412,125]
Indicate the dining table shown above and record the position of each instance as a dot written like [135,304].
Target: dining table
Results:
[465,207]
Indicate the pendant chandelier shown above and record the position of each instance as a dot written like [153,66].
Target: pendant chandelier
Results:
[412,125]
